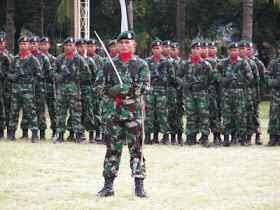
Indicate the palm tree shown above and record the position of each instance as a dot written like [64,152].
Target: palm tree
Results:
[130,14]
[38,17]
[10,31]
[247,26]
[180,24]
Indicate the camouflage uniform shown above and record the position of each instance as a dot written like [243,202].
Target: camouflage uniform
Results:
[69,92]
[233,104]
[156,119]
[23,92]
[39,96]
[196,100]
[124,114]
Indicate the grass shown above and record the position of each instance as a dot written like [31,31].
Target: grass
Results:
[68,175]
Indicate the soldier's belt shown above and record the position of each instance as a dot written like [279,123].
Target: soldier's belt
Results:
[24,81]
[172,85]
[86,83]
[235,86]
[67,81]
[200,88]
[126,97]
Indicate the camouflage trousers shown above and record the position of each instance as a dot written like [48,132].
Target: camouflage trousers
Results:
[175,110]
[116,133]
[51,104]
[40,108]
[104,113]
[256,116]
[7,100]
[156,118]
[197,111]
[23,98]
[274,113]
[97,110]
[249,111]
[2,113]
[233,109]
[214,112]
[68,98]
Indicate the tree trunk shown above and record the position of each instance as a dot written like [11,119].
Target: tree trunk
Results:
[10,8]
[130,14]
[247,20]
[38,17]
[180,24]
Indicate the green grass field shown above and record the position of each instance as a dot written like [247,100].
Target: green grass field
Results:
[68,175]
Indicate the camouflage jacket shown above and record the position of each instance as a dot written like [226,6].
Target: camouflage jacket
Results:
[272,75]
[4,64]
[45,65]
[136,78]
[52,59]
[178,66]
[255,70]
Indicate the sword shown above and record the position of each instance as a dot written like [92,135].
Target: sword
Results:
[110,59]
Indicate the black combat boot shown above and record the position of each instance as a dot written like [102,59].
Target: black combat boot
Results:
[249,138]
[98,137]
[24,134]
[272,141]
[54,135]
[155,140]
[204,141]
[139,188]
[258,140]
[80,136]
[11,136]
[108,189]
[244,141]
[277,140]
[147,139]
[60,137]
[234,140]
[226,141]
[34,137]
[189,140]
[1,133]
[103,139]
[180,139]
[194,141]
[42,135]
[91,140]
[71,136]
[173,138]
[217,139]
[165,139]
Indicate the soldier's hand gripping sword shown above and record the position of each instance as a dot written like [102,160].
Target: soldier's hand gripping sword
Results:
[109,57]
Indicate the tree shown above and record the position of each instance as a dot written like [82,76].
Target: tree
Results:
[247,26]
[180,24]
[10,31]
[130,14]
[38,17]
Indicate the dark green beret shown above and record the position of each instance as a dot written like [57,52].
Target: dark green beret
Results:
[242,43]
[175,45]
[2,38]
[204,44]
[112,42]
[34,39]
[279,46]
[156,42]
[45,39]
[232,45]
[23,39]
[92,42]
[68,40]
[212,44]
[167,42]
[81,42]
[195,44]
[249,44]
[126,35]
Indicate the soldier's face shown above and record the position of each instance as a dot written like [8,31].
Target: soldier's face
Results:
[45,47]
[2,46]
[91,48]
[212,51]
[175,52]
[243,51]
[126,46]
[250,51]
[166,50]
[113,49]
[204,51]
[24,46]
[196,52]
[81,49]
[233,52]
[157,50]
[34,46]
[69,47]
[278,51]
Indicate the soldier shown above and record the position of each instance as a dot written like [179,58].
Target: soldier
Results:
[250,96]
[156,101]
[71,71]
[198,74]
[87,106]
[7,85]
[175,97]
[272,78]
[166,49]
[39,90]
[4,67]
[25,69]
[97,109]
[124,117]
[50,91]
[233,73]
[113,48]
[256,91]
[215,123]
